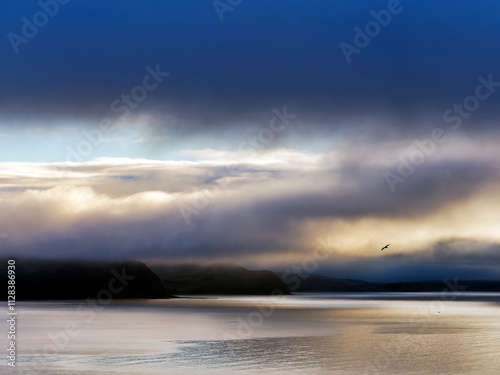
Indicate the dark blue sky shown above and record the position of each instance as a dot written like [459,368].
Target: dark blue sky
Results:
[283,51]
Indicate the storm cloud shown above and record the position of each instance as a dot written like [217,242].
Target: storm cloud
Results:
[279,52]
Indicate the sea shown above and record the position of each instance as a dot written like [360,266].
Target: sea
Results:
[314,333]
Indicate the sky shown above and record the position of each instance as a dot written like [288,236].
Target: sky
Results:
[263,133]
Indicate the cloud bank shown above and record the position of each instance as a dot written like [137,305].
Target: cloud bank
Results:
[271,209]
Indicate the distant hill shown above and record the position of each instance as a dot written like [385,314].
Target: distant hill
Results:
[437,286]
[58,280]
[217,279]
[318,284]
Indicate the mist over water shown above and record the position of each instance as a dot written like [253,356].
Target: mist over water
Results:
[390,333]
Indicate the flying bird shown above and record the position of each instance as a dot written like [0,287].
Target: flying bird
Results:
[385,247]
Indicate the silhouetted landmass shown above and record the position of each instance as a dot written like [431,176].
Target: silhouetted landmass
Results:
[437,286]
[218,279]
[73,280]
[323,284]
[58,280]
[318,284]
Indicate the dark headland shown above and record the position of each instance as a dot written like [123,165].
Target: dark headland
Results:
[68,280]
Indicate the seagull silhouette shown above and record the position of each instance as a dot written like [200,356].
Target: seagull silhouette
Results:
[385,247]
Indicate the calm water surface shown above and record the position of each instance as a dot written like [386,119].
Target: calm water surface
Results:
[389,333]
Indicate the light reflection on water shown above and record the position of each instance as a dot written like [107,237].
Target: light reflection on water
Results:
[340,333]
